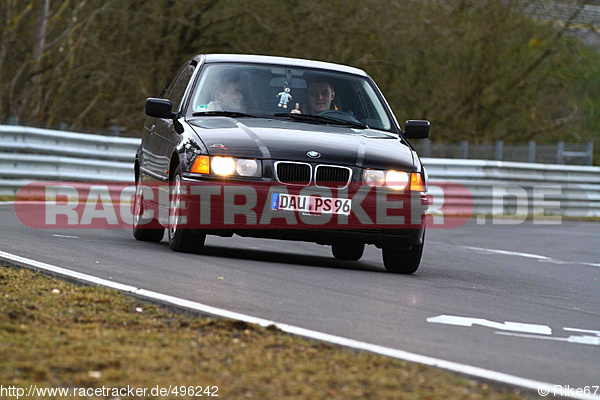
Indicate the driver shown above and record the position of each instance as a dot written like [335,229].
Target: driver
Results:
[320,95]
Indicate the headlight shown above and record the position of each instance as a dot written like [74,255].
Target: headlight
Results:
[373,177]
[226,166]
[246,167]
[222,165]
[397,180]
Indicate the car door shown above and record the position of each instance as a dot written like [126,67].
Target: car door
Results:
[160,136]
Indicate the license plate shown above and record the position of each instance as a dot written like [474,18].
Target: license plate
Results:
[311,204]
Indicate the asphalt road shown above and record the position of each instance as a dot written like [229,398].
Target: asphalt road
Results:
[481,277]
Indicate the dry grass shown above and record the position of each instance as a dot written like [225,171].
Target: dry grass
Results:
[56,334]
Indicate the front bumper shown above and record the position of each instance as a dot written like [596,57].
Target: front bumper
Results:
[381,217]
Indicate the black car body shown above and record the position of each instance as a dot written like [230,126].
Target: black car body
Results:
[343,177]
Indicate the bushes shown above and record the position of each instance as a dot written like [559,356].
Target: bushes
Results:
[480,71]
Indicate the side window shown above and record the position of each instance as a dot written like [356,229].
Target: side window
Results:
[178,91]
[167,90]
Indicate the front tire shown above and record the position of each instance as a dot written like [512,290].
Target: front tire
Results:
[402,261]
[180,239]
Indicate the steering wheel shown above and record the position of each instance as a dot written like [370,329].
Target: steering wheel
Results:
[337,114]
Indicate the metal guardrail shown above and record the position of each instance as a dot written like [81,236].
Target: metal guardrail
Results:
[532,152]
[20,139]
[32,154]
[459,186]
[588,15]
[510,188]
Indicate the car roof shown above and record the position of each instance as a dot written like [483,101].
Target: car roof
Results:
[292,62]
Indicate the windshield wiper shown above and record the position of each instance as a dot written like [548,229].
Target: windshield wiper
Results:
[323,119]
[233,114]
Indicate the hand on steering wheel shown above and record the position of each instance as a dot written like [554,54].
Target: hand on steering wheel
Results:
[337,114]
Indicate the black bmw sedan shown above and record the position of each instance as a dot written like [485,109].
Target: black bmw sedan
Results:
[280,148]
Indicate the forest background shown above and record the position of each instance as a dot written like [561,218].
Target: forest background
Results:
[478,70]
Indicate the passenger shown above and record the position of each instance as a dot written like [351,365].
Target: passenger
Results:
[228,96]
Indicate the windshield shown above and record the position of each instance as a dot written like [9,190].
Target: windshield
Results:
[306,95]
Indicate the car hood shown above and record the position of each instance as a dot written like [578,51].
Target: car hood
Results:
[289,140]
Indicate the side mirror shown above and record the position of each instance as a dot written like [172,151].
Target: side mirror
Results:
[159,108]
[417,129]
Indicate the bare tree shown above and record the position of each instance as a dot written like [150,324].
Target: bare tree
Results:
[480,70]
[39,46]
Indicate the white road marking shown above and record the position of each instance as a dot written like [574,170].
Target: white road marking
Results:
[506,253]
[385,351]
[591,264]
[66,236]
[527,255]
[597,333]
[517,329]
[590,340]
[505,326]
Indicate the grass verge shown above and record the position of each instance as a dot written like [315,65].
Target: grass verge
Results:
[56,334]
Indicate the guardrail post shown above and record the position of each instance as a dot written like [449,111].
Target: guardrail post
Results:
[560,153]
[590,153]
[427,148]
[464,149]
[14,120]
[114,130]
[531,151]
[63,126]
[499,150]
